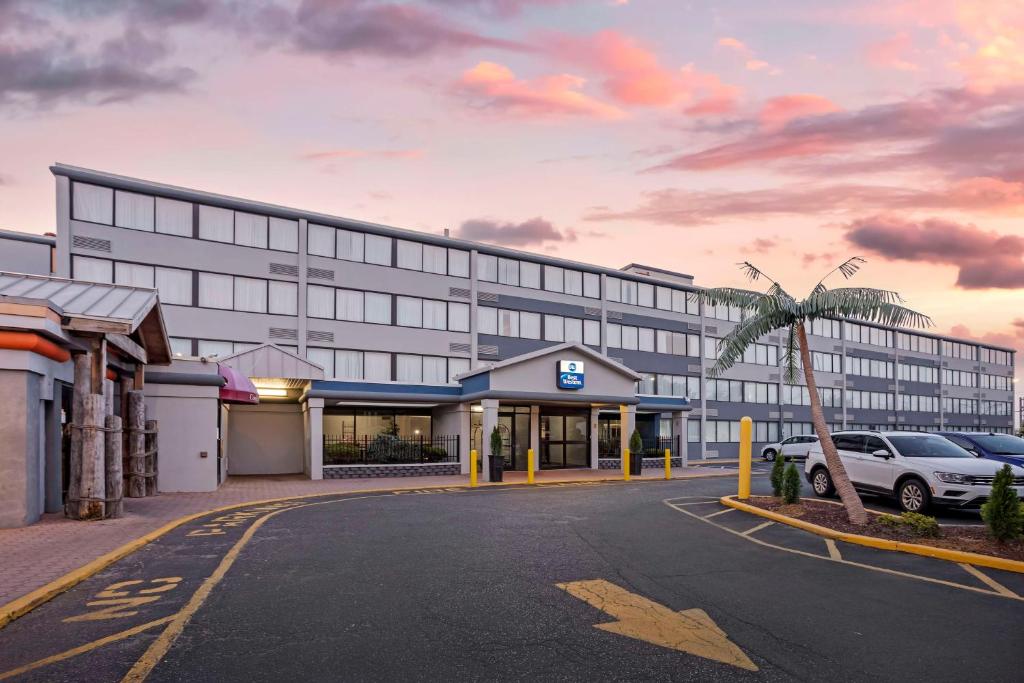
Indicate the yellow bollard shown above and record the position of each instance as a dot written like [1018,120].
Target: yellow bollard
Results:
[668,464]
[625,464]
[746,438]
[472,468]
[529,466]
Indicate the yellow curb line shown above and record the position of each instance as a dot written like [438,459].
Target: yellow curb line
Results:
[28,602]
[881,543]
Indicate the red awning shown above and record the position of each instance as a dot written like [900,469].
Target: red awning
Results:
[237,387]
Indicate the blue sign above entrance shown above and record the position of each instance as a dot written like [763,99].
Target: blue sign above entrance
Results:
[570,374]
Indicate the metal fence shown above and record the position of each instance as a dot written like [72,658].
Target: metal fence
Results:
[385,449]
[653,448]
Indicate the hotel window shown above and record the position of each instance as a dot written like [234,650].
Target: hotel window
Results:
[319,302]
[996,382]
[630,338]
[685,302]
[806,428]
[645,295]
[173,217]
[553,279]
[458,263]
[284,235]
[435,314]
[508,323]
[487,320]
[663,298]
[915,342]
[250,295]
[216,224]
[959,378]
[435,259]
[736,391]
[133,211]
[408,368]
[209,348]
[529,274]
[996,356]
[529,325]
[250,230]
[348,305]
[999,408]
[573,330]
[918,373]
[868,367]
[554,327]
[826,362]
[865,334]
[763,354]
[320,240]
[410,255]
[592,332]
[325,359]
[435,370]
[592,285]
[377,308]
[723,312]
[175,286]
[377,366]
[960,406]
[573,282]
[693,431]
[348,364]
[831,329]
[487,267]
[959,350]
[458,317]
[348,245]
[378,250]
[870,400]
[645,339]
[508,272]
[180,348]
[283,298]
[216,291]
[409,311]
[92,203]
[913,403]
[457,366]
[672,385]
[133,275]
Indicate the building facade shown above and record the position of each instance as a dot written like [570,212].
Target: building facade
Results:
[375,304]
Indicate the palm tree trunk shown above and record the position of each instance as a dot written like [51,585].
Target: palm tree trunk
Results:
[854,507]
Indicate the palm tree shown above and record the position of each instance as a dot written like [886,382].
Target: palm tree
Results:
[776,309]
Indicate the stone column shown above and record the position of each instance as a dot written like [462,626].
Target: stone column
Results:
[314,422]
[535,436]
[465,413]
[679,418]
[490,421]
[627,420]
[594,440]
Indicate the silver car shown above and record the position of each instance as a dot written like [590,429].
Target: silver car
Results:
[793,448]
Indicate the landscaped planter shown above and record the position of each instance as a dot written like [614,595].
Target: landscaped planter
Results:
[375,471]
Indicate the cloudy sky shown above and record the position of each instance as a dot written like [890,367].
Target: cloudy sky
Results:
[683,134]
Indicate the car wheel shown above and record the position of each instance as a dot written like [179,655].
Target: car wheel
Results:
[769,455]
[821,482]
[914,496]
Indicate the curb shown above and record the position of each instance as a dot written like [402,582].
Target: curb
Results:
[21,606]
[881,543]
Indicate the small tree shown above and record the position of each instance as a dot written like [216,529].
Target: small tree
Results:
[778,469]
[496,443]
[791,485]
[636,444]
[1002,512]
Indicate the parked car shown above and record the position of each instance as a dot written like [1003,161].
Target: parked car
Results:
[793,448]
[916,469]
[1001,447]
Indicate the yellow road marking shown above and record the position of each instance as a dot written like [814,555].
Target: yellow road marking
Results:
[833,549]
[988,580]
[82,649]
[756,528]
[883,570]
[691,631]
[720,512]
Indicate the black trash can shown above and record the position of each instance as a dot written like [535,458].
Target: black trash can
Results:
[497,468]
[636,464]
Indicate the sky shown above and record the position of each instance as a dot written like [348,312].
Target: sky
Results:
[681,134]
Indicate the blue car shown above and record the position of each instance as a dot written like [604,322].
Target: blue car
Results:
[1001,447]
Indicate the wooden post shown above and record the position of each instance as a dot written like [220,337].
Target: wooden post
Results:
[108,397]
[114,468]
[83,362]
[92,490]
[136,445]
[152,460]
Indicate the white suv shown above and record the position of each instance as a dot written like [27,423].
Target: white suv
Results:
[917,469]
[793,448]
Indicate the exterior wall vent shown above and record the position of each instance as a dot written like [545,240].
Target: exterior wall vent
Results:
[283,333]
[711,329]
[487,350]
[284,269]
[459,292]
[92,243]
[320,273]
[458,347]
[596,312]
[486,296]
[615,315]
[315,335]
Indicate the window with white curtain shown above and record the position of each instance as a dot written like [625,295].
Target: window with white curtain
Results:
[216,291]
[614,336]
[486,268]
[408,368]
[349,305]
[508,271]
[324,358]
[613,289]
[378,250]
[554,326]
[487,320]
[435,259]
[573,282]
[574,330]
[283,235]
[134,275]
[180,348]
[173,217]
[435,315]
[319,302]
[93,269]
[216,224]
[92,203]
[208,348]
[283,298]
[377,366]
[435,370]
[646,339]
[458,263]
[529,325]
[349,245]
[592,332]
[663,298]
[377,308]
[250,295]
[645,294]
[250,230]
[592,285]
[348,364]
[410,255]
[409,311]
[628,292]
[508,323]
[553,279]
[134,211]
[174,285]
[319,240]
[457,366]
[458,317]
[630,338]
[529,274]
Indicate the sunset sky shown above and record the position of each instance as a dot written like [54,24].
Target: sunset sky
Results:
[682,134]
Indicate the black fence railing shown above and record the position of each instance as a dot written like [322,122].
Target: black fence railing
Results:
[385,449]
[653,448]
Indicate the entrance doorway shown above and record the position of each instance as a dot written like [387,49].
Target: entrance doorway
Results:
[515,432]
[565,439]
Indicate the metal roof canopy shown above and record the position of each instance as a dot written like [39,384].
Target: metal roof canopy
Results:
[271,361]
[133,312]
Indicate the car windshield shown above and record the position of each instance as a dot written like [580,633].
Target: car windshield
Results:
[922,446]
[1000,444]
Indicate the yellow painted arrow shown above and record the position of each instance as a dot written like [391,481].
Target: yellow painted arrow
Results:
[691,631]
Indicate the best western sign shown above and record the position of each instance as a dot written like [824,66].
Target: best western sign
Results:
[570,374]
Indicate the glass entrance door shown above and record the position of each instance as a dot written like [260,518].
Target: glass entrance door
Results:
[565,440]
[515,434]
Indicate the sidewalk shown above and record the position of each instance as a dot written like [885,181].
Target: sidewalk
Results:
[35,555]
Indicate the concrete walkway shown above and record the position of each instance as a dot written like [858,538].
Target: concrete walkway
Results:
[34,556]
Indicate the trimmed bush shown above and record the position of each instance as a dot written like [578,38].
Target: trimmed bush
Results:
[434,454]
[636,443]
[914,522]
[778,470]
[791,485]
[1003,511]
[496,443]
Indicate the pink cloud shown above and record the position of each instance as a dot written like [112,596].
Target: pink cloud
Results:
[354,153]
[734,44]
[495,87]
[778,111]
[535,231]
[892,53]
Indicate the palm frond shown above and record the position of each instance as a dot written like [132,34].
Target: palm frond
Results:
[754,273]
[848,268]
[731,346]
[790,358]
[880,306]
[729,296]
